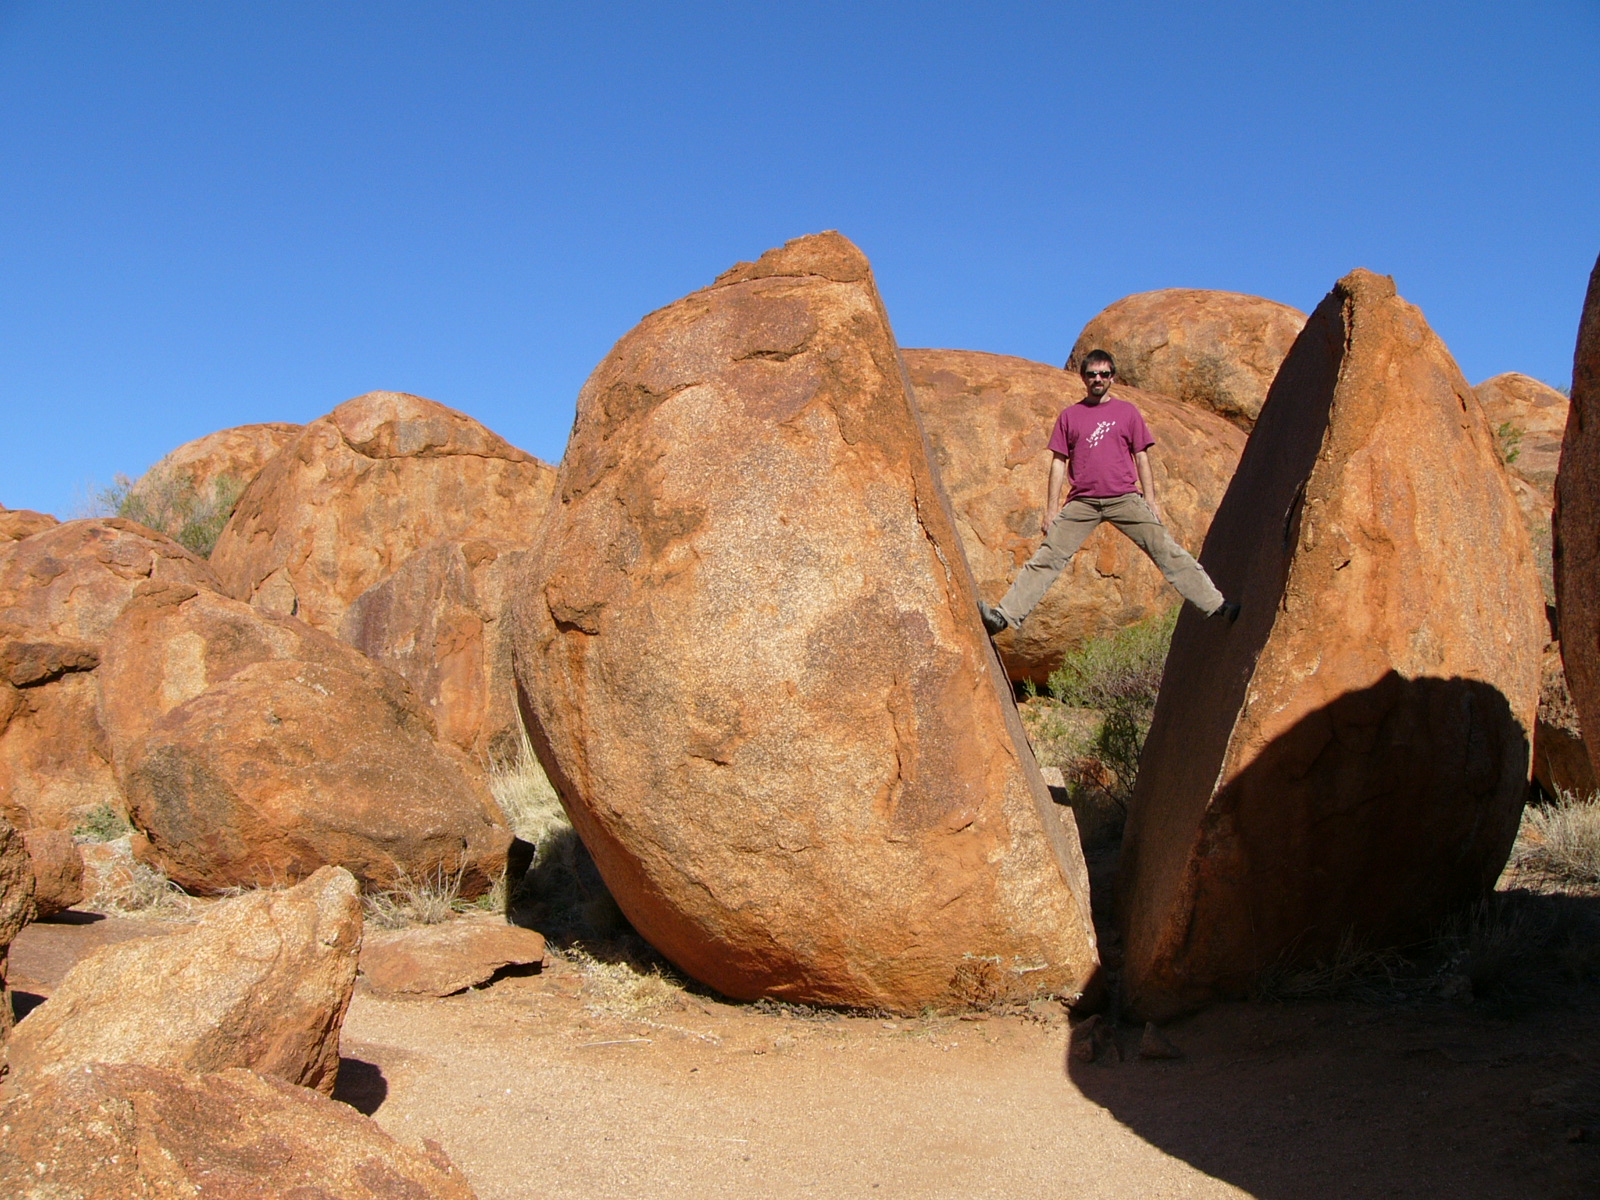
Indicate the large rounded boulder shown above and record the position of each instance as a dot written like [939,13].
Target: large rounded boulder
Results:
[1218,350]
[360,490]
[988,418]
[1577,523]
[750,659]
[1350,759]
[253,750]
[60,591]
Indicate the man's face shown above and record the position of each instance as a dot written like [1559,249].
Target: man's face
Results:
[1097,379]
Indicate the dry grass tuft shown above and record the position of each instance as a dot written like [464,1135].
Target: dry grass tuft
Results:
[434,898]
[1351,972]
[1560,842]
[625,986]
[126,887]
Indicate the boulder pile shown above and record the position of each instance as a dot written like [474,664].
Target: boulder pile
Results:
[988,419]
[1350,758]
[749,656]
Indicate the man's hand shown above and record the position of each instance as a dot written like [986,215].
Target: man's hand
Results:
[1155,508]
[1047,520]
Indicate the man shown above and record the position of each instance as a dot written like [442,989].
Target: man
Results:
[1101,446]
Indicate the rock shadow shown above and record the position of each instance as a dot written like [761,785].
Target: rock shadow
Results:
[23,1003]
[361,1085]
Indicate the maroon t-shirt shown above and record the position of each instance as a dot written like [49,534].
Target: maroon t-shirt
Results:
[1100,441]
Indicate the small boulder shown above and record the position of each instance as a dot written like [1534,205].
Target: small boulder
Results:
[437,960]
[57,871]
[749,656]
[16,907]
[190,493]
[359,491]
[1577,522]
[261,983]
[438,621]
[18,523]
[988,419]
[110,1131]
[1351,757]
[1216,350]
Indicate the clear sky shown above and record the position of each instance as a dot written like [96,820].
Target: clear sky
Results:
[221,213]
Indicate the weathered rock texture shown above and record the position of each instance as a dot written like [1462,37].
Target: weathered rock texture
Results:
[1560,756]
[358,491]
[1577,522]
[18,523]
[254,749]
[16,907]
[1218,350]
[1528,418]
[749,653]
[117,1131]
[262,983]
[60,591]
[437,960]
[438,622]
[988,418]
[1352,756]
[57,871]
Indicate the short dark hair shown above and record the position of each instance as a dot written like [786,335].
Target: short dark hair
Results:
[1097,356]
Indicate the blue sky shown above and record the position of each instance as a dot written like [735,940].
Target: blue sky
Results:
[213,214]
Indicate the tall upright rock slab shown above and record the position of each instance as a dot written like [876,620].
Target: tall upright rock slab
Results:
[1350,758]
[1577,523]
[989,418]
[748,652]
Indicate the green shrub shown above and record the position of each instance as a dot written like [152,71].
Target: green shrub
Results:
[173,505]
[102,823]
[1510,436]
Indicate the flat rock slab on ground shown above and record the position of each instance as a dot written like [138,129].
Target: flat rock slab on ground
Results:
[437,960]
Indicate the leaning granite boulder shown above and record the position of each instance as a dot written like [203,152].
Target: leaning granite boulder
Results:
[1577,523]
[750,659]
[16,907]
[1216,350]
[1351,758]
[115,1131]
[253,750]
[989,418]
[439,622]
[262,983]
[60,591]
[360,490]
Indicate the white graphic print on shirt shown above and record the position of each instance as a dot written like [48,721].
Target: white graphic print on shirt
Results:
[1100,430]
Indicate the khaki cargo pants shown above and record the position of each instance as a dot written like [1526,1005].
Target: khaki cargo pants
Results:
[1075,522]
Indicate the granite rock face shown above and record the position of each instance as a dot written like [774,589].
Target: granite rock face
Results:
[750,659]
[16,907]
[1352,756]
[111,1131]
[1217,350]
[57,871]
[360,490]
[18,523]
[262,983]
[989,418]
[253,750]
[1577,522]
[439,621]
[60,591]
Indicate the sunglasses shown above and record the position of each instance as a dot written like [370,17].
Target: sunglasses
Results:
[1098,374]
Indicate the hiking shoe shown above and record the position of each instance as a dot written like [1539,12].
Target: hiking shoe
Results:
[992,620]
[1229,611]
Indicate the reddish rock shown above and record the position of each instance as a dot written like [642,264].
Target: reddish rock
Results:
[60,591]
[115,1131]
[359,491]
[253,750]
[16,907]
[988,419]
[191,492]
[18,523]
[1215,350]
[1533,416]
[437,960]
[750,658]
[438,622]
[1577,521]
[1351,757]
[1560,757]
[262,982]
[57,871]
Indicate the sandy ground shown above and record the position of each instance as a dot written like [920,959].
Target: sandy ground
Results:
[538,1088]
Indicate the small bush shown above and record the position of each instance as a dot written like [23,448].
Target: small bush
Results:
[102,823]
[434,898]
[173,505]
[1510,438]
[1561,841]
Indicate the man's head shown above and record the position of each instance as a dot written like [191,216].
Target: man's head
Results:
[1098,370]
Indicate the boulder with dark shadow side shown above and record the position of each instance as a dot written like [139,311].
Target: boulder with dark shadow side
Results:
[1350,759]
[751,660]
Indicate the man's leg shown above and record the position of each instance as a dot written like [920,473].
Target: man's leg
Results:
[1076,521]
[1133,516]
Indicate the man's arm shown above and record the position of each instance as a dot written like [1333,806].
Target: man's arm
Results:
[1147,484]
[1052,494]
